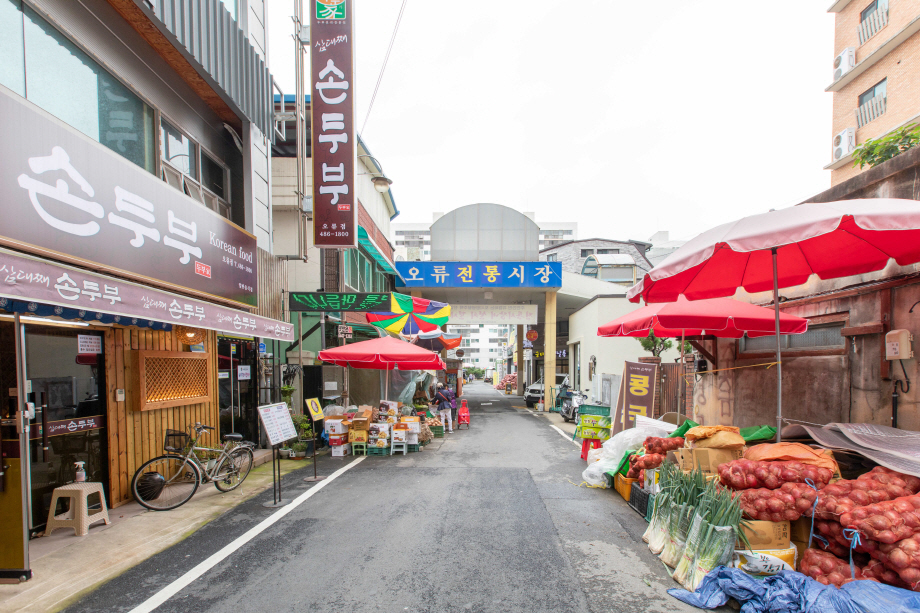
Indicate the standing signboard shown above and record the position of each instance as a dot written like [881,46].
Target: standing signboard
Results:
[637,394]
[332,106]
[276,419]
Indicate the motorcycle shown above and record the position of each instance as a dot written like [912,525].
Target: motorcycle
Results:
[570,403]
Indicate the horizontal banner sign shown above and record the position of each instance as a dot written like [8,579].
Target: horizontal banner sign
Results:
[32,280]
[66,194]
[338,301]
[479,274]
[525,314]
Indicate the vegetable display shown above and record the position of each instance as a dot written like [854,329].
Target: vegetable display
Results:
[662,446]
[878,571]
[788,503]
[888,476]
[826,568]
[833,531]
[748,474]
[886,522]
[903,558]
[844,496]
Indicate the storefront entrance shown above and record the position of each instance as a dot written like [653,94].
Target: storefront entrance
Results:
[237,384]
[66,369]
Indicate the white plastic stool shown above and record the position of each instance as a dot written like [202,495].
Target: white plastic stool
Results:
[79,518]
[404,447]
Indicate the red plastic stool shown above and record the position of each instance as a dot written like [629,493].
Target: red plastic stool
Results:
[463,415]
[588,444]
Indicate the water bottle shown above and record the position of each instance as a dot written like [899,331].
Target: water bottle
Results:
[80,476]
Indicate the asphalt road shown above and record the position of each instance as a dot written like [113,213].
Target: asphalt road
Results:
[490,519]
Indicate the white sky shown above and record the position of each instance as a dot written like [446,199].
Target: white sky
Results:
[625,118]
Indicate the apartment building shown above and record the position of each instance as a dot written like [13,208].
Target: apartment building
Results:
[876,60]
[412,241]
[482,344]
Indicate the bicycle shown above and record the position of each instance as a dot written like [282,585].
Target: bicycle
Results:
[168,481]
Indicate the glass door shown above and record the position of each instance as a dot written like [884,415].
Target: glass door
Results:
[237,386]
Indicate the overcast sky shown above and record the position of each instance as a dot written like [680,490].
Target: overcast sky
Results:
[627,117]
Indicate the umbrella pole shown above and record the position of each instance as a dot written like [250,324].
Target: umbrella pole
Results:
[683,377]
[779,362]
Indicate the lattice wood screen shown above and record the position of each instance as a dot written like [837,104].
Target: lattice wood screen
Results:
[172,378]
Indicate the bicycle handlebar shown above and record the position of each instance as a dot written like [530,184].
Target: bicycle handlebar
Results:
[201,426]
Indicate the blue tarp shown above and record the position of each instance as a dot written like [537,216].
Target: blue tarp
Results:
[791,592]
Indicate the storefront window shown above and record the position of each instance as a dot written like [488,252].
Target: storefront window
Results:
[178,150]
[43,65]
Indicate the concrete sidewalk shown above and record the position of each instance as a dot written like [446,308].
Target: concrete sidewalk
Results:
[66,566]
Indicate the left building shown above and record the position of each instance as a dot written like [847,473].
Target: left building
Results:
[137,280]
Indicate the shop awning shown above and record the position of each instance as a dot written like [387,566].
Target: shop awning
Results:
[46,287]
[371,247]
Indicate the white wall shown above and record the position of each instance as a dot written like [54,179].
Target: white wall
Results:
[372,199]
[611,353]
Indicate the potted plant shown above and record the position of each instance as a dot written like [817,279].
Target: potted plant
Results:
[304,430]
[299,450]
[285,451]
[287,395]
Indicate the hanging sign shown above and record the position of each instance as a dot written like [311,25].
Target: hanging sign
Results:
[276,419]
[242,373]
[332,107]
[338,301]
[532,335]
[637,394]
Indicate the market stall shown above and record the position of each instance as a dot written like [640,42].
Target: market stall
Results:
[392,425]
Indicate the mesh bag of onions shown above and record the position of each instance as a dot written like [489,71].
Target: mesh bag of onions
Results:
[638,463]
[662,446]
[888,476]
[887,522]
[878,571]
[748,474]
[844,496]
[903,558]
[788,503]
[833,531]
[826,568]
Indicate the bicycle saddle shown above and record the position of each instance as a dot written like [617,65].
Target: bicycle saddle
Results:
[233,437]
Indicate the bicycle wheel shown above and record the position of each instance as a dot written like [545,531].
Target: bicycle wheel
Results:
[165,482]
[234,471]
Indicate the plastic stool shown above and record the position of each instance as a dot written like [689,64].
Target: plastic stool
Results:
[463,415]
[588,444]
[79,518]
[356,447]
[404,447]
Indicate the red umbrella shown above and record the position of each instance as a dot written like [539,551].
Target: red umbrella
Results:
[721,317]
[385,353]
[784,248]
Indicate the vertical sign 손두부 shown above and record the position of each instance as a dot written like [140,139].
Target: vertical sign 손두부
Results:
[332,103]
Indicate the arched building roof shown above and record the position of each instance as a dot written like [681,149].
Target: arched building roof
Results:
[485,232]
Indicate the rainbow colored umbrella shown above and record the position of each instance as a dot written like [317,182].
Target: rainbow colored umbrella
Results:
[409,316]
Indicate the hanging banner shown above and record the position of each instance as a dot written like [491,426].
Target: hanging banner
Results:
[637,395]
[493,314]
[332,107]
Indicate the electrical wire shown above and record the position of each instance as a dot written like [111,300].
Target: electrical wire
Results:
[898,383]
[386,58]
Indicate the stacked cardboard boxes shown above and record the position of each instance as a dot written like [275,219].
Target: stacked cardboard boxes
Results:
[593,426]
[337,427]
[414,426]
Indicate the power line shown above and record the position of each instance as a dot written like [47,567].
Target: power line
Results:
[384,67]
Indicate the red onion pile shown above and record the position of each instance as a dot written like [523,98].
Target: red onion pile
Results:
[748,474]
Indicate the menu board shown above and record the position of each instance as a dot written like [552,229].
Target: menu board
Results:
[276,419]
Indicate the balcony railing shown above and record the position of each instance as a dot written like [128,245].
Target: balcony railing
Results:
[873,23]
[870,110]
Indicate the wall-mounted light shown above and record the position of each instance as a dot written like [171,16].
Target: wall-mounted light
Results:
[189,336]
[382,183]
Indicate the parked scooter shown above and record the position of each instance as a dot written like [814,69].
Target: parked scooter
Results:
[570,403]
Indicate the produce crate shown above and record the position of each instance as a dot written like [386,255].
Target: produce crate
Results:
[378,451]
[608,479]
[623,486]
[414,448]
[593,409]
[437,431]
[651,507]
[423,443]
[638,499]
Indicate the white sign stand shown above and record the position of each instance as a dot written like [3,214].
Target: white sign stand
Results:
[279,427]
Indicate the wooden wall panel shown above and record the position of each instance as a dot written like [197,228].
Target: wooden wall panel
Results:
[272,274]
[136,436]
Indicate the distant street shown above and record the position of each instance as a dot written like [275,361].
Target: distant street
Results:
[489,519]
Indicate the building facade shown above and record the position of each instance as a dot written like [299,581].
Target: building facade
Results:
[573,254]
[876,60]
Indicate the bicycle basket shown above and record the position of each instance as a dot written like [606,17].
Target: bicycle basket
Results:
[176,440]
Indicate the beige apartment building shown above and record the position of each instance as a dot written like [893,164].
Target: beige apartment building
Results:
[876,75]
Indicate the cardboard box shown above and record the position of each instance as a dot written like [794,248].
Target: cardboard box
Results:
[708,460]
[408,419]
[336,425]
[400,436]
[400,426]
[359,423]
[763,535]
[800,547]
[800,529]
[414,422]
[651,481]
[594,421]
[379,431]
[357,436]
[341,450]
[587,432]
[380,443]
[338,439]
[389,407]
[412,438]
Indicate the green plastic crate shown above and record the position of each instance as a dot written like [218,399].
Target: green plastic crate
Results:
[414,448]
[593,409]
[437,431]
[378,451]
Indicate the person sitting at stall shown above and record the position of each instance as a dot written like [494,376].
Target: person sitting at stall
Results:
[442,399]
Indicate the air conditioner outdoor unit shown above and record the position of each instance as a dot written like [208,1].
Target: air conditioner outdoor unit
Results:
[844,144]
[845,62]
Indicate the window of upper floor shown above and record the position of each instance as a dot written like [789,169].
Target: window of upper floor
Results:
[818,337]
[603,251]
[872,103]
[192,171]
[232,6]
[586,252]
[880,89]
[363,274]
[872,19]
[551,257]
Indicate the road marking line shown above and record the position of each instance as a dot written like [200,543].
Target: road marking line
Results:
[560,431]
[182,582]
[483,404]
